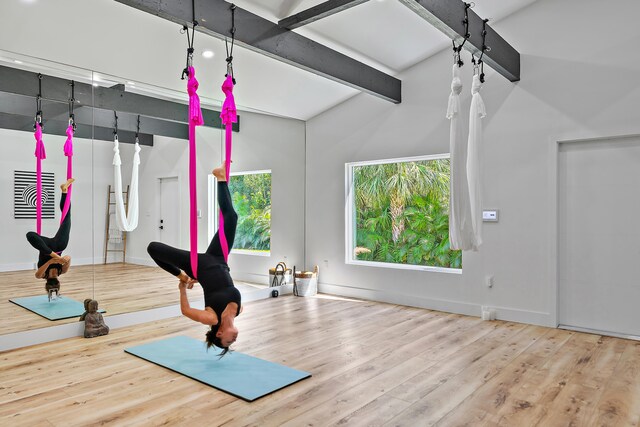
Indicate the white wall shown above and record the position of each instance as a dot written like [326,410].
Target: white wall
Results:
[579,79]
[17,154]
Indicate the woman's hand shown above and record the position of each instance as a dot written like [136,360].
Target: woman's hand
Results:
[187,284]
[65,259]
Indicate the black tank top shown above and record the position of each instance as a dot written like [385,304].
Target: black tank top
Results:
[219,299]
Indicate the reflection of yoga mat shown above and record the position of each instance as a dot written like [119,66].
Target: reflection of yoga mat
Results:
[61,308]
[238,374]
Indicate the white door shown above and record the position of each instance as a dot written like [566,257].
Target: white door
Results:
[169,221]
[599,235]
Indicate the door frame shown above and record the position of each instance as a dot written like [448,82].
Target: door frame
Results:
[554,209]
[156,217]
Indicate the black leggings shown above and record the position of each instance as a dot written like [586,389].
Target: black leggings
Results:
[172,260]
[59,242]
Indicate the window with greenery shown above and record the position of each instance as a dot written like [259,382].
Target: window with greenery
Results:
[398,213]
[251,194]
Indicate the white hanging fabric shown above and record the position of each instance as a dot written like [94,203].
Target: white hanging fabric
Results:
[126,221]
[474,159]
[460,227]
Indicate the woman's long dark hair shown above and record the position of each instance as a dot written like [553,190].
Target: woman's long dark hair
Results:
[51,267]
[214,341]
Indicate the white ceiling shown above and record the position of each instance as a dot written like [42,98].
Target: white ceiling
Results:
[116,40]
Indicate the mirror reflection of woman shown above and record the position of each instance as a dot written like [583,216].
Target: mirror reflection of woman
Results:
[51,263]
[221,298]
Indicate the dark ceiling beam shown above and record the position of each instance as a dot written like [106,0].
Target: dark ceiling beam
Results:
[20,105]
[59,127]
[315,13]
[448,17]
[20,82]
[263,36]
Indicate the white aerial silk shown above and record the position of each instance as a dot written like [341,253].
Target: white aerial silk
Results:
[460,227]
[126,221]
[474,159]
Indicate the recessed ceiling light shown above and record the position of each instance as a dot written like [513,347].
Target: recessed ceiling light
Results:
[207,54]
[95,85]
[17,61]
[131,83]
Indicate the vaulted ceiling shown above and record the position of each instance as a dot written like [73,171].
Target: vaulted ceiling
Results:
[121,44]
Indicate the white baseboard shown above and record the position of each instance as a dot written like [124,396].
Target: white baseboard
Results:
[260,279]
[141,261]
[18,266]
[469,309]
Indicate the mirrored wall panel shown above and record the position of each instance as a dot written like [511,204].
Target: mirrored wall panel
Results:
[47,253]
[131,168]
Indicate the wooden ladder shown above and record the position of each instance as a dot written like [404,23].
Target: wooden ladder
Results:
[107,235]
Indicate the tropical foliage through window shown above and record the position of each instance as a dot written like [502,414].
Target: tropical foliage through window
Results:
[251,195]
[402,213]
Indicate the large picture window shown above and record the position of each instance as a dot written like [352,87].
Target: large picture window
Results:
[398,214]
[251,195]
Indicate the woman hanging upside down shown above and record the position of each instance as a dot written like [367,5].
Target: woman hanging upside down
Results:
[221,299]
[51,263]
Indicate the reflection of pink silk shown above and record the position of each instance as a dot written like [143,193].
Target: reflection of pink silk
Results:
[40,154]
[195,119]
[229,115]
[68,151]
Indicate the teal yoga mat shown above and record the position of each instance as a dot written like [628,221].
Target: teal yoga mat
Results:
[61,308]
[238,374]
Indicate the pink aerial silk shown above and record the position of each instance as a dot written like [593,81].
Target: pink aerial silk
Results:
[195,119]
[68,151]
[229,115]
[40,155]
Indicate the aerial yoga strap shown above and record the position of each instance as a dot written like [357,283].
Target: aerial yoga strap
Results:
[460,219]
[126,220]
[195,119]
[40,155]
[68,151]
[474,158]
[229,116]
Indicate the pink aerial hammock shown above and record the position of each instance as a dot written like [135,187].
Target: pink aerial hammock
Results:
[68,152]
[195,119]
[229,115]
[41,154]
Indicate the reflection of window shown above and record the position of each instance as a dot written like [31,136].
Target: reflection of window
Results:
[398,214]
[251,194]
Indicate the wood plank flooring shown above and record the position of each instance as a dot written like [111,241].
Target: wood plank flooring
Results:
[119,288]
[373,364]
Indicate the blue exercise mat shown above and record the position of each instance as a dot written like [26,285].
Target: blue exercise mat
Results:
[238,374]
[61,308]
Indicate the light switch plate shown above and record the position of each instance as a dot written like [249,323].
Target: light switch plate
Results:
[490,215]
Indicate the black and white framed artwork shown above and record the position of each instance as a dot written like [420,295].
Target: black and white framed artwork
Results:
[25,195]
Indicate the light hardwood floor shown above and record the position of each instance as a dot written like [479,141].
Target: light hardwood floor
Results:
[373,364]
[119,288]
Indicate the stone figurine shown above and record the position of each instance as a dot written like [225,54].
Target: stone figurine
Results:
[94,325]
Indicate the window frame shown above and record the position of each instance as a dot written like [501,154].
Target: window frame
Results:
[350,218]
[213,213]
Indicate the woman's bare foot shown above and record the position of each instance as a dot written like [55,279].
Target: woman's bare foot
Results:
[220,173]
[183,277]
[65,187]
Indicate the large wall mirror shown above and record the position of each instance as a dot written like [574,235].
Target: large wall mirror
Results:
[110,264]
[28,302]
